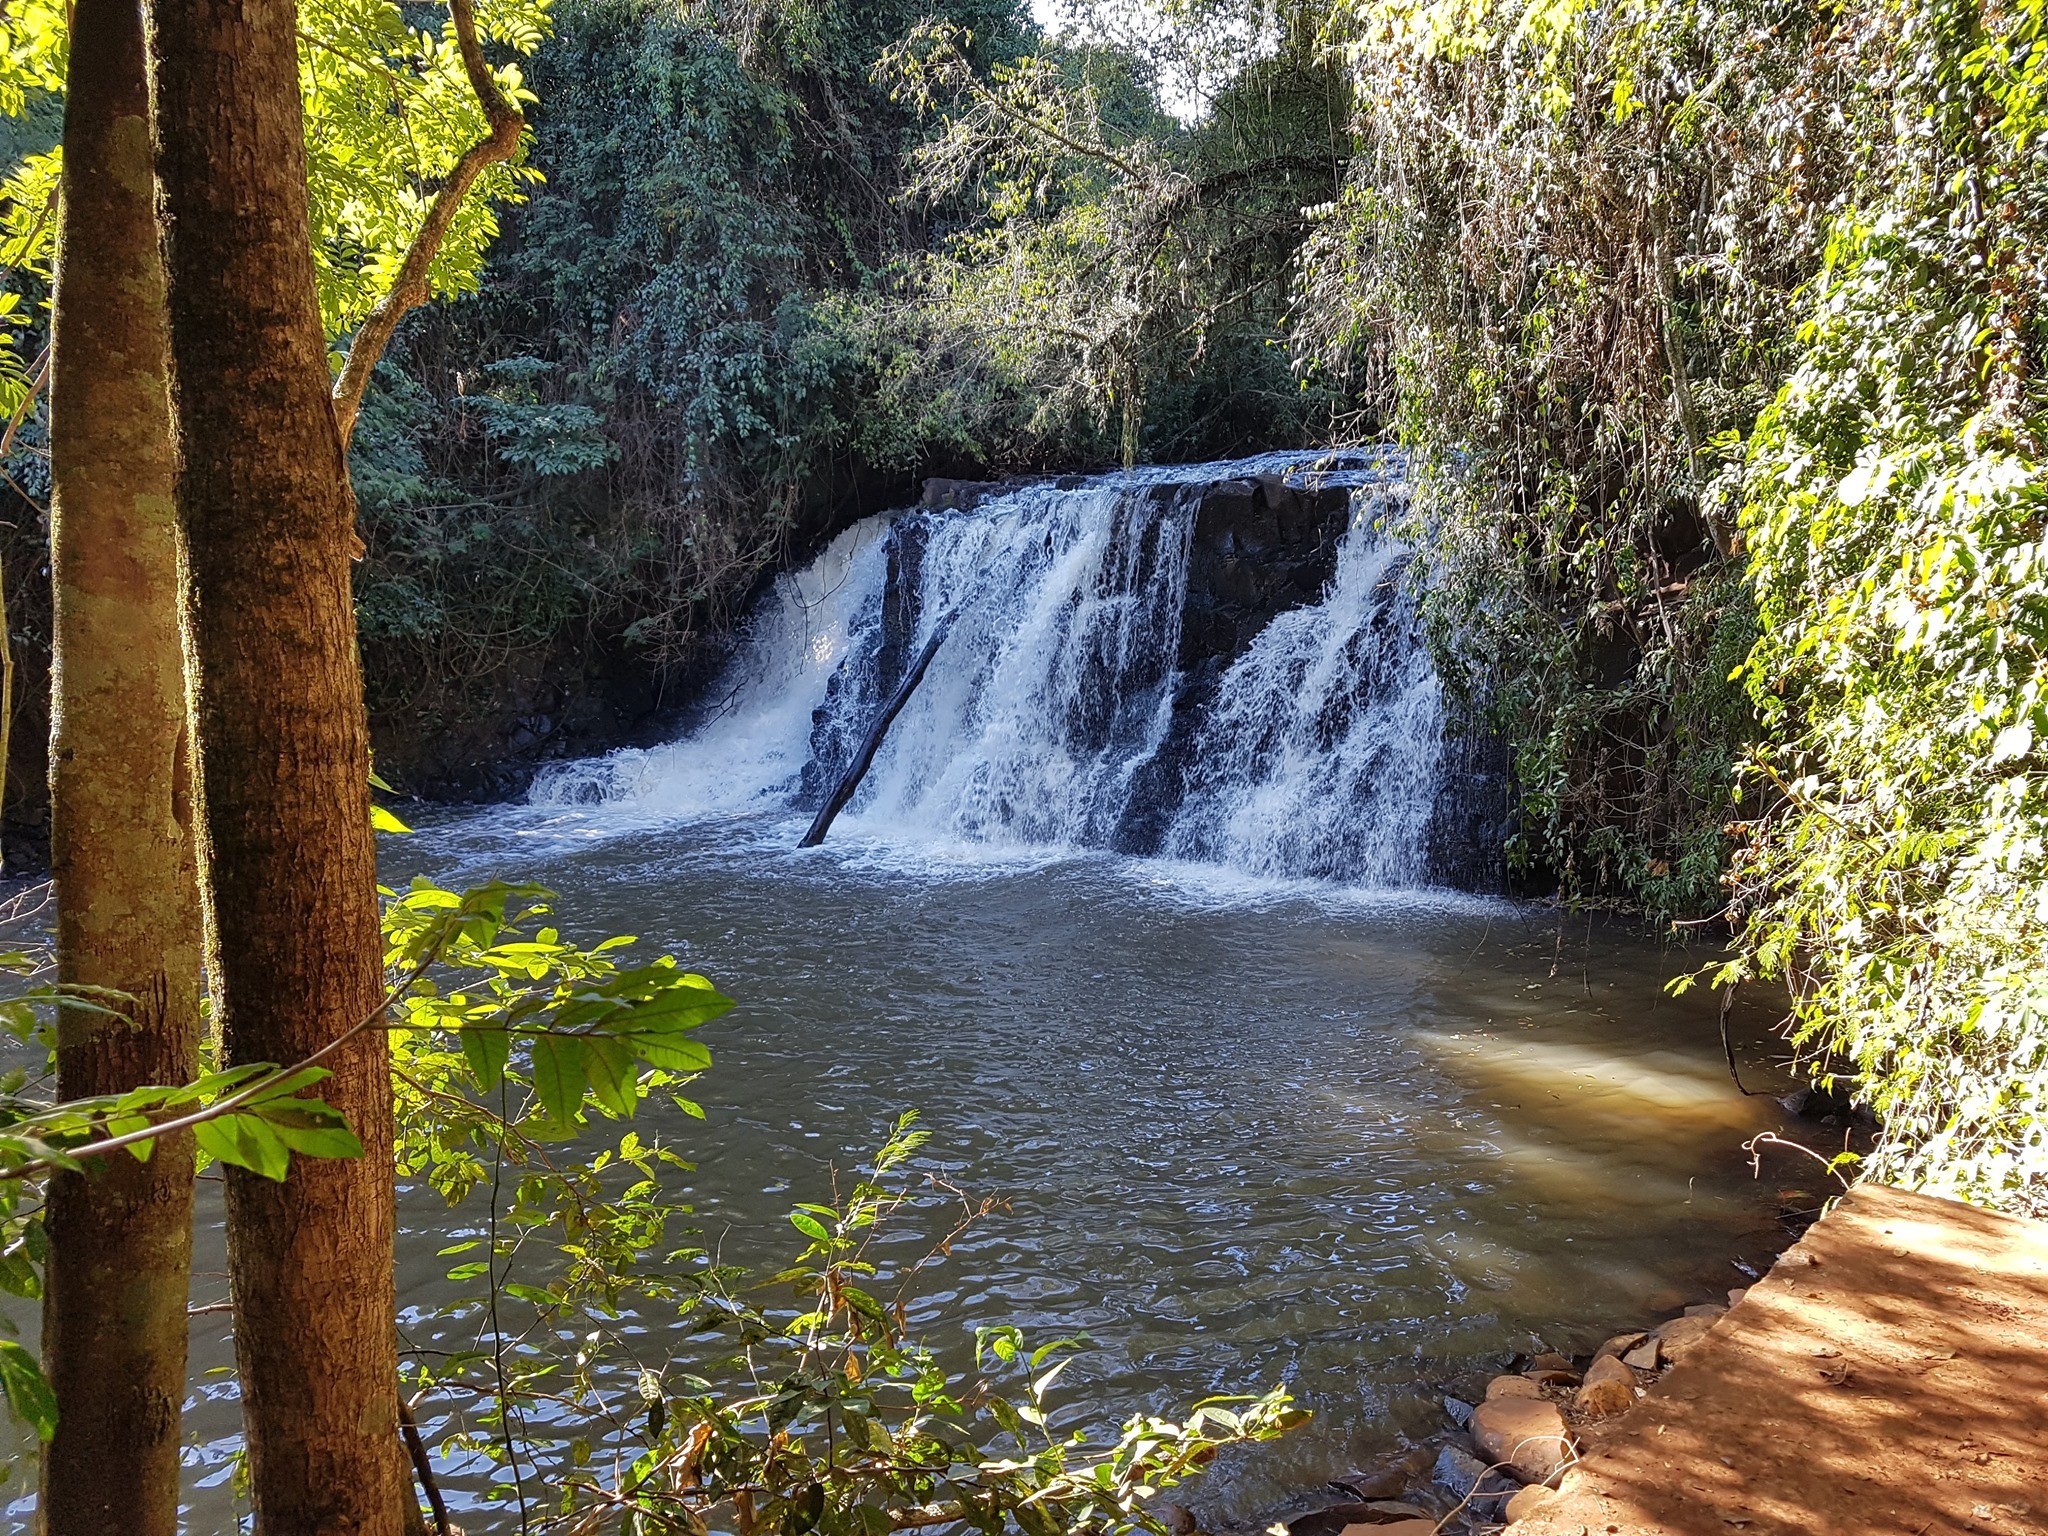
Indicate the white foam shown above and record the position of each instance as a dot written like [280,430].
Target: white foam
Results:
[1317,766]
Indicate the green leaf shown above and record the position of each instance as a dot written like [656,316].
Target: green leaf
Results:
[810,1226]
[28,1394]
[320,1141]
[242,1140]
[558,1075]
[613,1077]
[487,1051]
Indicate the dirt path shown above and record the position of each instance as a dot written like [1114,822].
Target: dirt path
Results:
[1890,1375]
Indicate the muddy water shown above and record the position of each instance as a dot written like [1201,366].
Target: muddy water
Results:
[1361,1143]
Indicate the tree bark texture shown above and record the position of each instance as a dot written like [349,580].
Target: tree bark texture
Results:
[121,849]
[293,944]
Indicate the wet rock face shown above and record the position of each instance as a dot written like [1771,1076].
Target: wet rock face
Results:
[1144,685]
[854,693]
[1260,547]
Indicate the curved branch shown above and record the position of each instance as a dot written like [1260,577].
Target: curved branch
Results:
[411,287]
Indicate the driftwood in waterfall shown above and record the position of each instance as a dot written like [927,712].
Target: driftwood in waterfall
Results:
[857,769]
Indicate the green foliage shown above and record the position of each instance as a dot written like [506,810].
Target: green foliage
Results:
[596,1033]
[717,186]
[797,1403]
[1123,270]
[1893,874]
[572,1027]
[1562,266]
[388,112]
[1675,301]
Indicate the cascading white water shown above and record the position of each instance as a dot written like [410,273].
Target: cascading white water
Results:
[1064,708]
[1322,754]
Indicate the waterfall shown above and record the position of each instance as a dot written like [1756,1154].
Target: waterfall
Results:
[1219,663]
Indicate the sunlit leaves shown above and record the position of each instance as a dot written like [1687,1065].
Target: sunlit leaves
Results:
[837,1419]
[388,112]
[1897,503]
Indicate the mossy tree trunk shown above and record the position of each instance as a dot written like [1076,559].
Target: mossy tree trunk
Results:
[293,943]
[122,832]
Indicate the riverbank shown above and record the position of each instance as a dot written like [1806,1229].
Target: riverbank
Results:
[1887,1377]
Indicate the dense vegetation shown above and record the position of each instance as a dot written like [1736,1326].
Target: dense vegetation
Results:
[1715,333]
[1714,330]
[246,204]
[769,280]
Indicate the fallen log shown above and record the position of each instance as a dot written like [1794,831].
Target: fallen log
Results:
[856,770]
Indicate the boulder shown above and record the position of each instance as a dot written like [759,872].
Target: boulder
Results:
[958,495]
[1512,1386]
[1382,1484]
[1529,1501]
[1646,1355]
[1620,1344]
[1735,1296]
[1609,1368]
[1609,1387]
[1677,1338]
[1464,1476]
[1524,1434]
[1458,1471]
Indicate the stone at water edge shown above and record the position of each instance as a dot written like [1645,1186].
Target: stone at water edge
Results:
[1664,1299]
[1610,1386]
[1645,1355]
[1620,1344]
[1549,1360]
[1523,1434]
[1550,1378]
[1458,1470]
[1676,1338]
[1399,1507]
[1529,1501]
[1735,1296]
[1464,1476]
[1711,1309]
[1382,1484]
[1331,1519]
[1512,1386]
[1424,1527]
[1459,1410]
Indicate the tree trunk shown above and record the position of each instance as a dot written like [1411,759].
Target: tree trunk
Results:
[121,847]
[283,756]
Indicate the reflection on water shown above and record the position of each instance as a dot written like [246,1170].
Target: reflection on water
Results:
[1362,1144]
